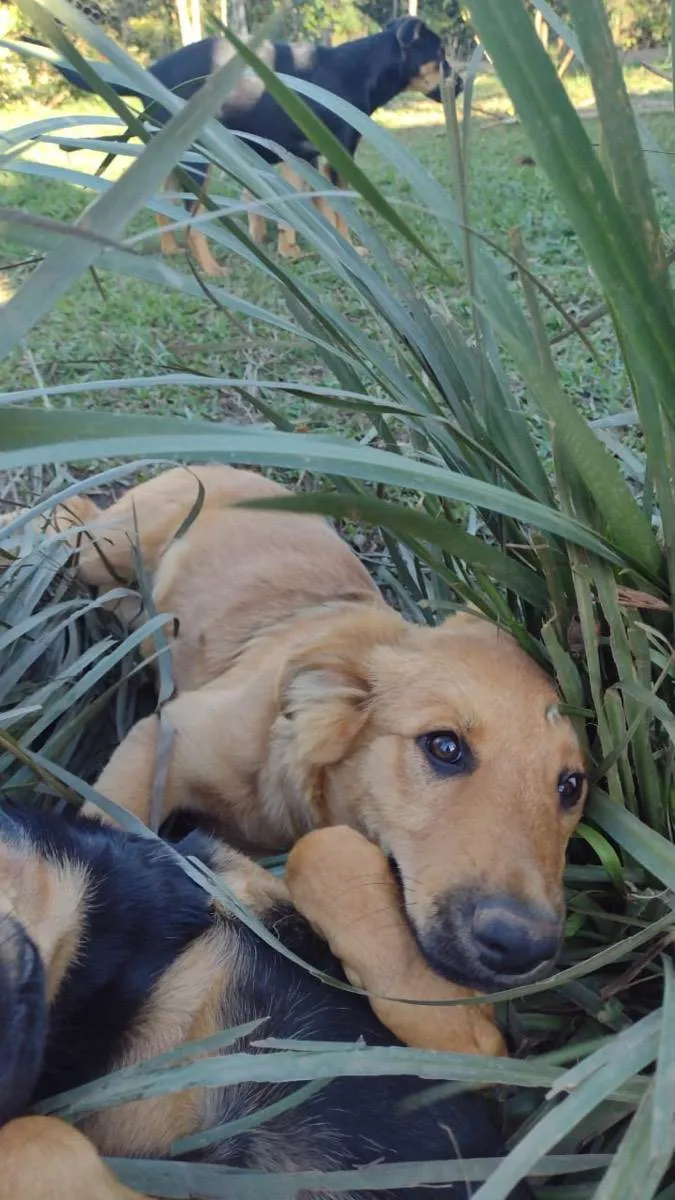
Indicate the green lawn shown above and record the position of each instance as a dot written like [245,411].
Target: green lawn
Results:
[112,326]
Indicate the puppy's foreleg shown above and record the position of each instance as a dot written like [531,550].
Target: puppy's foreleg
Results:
[198,764]
[343,885]
[43,1157]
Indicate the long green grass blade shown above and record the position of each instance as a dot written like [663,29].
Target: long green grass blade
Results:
[634,1050]
[29,437]
[182,1181]
[643,307]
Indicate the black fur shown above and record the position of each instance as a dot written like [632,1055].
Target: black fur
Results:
[143,911]
[368,72]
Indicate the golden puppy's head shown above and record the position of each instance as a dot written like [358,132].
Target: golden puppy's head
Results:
[446,748]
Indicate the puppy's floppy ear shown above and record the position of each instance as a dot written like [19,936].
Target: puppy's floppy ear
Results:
[326,687]
[326,697]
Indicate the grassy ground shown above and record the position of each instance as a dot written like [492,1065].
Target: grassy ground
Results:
[114,326]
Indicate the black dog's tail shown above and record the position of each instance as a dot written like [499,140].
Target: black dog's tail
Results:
[76,80]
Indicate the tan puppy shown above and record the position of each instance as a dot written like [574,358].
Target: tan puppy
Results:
[305,701]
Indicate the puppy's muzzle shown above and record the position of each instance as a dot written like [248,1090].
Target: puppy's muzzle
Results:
[490,942]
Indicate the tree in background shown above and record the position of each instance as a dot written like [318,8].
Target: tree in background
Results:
[634,23]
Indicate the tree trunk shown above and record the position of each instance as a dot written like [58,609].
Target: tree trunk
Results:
[412,8]
[223,12]
[189,21]
[238,22]
[197,33]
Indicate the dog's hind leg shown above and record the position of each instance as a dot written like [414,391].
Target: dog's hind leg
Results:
[141,522]
[167,242]
[73,514]
[335,218]
[199,246]
[287,244]
[320,202]
[257,225]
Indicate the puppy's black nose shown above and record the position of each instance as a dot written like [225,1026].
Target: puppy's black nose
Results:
[511,938]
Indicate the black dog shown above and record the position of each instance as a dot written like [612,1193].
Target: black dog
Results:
[368,72]
[110,953]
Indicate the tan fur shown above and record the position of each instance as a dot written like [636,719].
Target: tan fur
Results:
[167,242]
[287,246]
[301,696]
[199,247]
[342,884]
[255,887]
[185,1006]
[427,80]
[331,215]
[42,1158]
[257,225]
[197,242]
[47,900]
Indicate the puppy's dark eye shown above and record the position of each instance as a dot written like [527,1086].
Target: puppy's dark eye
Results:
[570,788]
[446,751]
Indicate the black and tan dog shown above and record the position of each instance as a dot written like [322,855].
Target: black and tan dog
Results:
[369,72]
[111,954]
